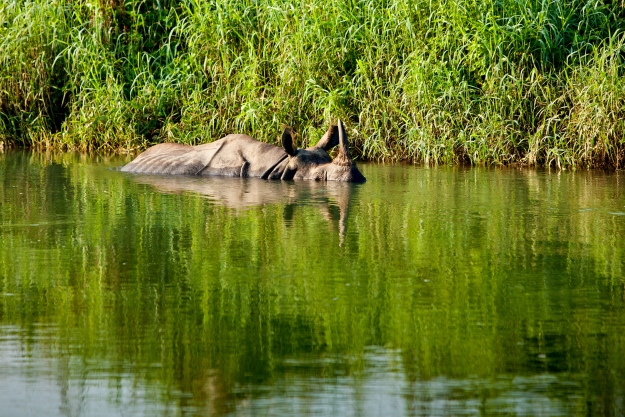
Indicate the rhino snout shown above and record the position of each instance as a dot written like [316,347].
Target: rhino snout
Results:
[344,173]
[356,175]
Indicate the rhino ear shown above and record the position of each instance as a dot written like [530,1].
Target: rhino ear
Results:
[287,141]
[330,139]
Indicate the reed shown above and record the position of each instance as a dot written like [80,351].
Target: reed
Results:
[536,82]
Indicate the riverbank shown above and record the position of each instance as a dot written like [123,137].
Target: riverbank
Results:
[506,82]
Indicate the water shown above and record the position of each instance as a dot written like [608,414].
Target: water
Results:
[425,291]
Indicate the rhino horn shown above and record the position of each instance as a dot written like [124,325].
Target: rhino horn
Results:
[343,158]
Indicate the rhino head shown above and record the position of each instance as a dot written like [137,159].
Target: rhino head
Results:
[315,163]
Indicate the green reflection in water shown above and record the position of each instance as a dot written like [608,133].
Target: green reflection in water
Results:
[442,291]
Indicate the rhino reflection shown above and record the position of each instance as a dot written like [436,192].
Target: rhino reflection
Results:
[332,198]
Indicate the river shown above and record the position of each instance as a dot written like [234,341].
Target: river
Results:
[425,291]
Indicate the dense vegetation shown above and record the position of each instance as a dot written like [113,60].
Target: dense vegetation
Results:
[439,81]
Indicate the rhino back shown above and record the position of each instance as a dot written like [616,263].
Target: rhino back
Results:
[243,156]
[172,158]
[232,156]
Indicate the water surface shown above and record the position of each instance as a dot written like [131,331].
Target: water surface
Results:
[425,291]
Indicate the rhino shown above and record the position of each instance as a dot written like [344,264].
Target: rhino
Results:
[242,156]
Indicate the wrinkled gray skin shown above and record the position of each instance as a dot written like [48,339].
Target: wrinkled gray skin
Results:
[243,156]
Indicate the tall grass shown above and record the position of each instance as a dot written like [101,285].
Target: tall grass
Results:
[536,82]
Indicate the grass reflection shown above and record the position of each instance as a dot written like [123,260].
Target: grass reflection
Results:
[479,287]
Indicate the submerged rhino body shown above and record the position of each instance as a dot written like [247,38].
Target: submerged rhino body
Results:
[243,156]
